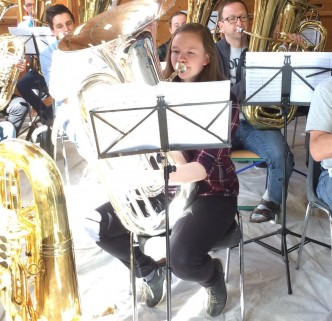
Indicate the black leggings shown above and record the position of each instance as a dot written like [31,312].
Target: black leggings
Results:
[193,235]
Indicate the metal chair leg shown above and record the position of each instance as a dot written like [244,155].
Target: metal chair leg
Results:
[306,220]
[133,276]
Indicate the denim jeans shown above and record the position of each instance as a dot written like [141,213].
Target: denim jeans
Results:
[269,145]
[27,85]
[324,188]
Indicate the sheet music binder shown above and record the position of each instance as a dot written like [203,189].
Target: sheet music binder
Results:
[161,126]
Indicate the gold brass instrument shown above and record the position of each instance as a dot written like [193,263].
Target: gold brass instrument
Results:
[199,11]
[267,15]
[38,279]
[314,25]
[11,51]
[5,6]
[124,37]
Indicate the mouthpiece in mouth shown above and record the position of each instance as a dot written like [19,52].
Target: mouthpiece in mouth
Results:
[181,68]
[239,29]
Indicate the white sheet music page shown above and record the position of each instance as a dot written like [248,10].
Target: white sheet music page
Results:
[309,66]
[197,114]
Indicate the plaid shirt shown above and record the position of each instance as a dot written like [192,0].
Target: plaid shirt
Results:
[221,177]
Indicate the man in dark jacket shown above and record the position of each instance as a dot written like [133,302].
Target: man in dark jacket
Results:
[268,144]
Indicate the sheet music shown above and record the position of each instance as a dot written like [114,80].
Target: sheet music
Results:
[303,63]
[197,114]
[43,37]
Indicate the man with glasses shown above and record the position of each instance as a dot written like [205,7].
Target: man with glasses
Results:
[268,144]
[29,7]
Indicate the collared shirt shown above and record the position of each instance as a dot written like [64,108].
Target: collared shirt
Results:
[221,177]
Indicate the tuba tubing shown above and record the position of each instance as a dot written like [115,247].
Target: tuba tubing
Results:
[11,51]
[49,264]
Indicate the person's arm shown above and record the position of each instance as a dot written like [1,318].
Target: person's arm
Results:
[195,171]
[319,121]
[320,145]
[45,64]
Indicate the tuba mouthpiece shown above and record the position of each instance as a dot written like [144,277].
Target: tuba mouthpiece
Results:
[239,29]
[180,68]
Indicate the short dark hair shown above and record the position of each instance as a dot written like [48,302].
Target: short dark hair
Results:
[227,3]
[175,14]
[53,11]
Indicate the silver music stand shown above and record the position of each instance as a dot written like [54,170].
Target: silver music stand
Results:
[167,128]
[279,82]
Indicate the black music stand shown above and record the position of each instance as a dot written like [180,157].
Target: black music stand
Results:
[175,125]
[285,101]
[36,39]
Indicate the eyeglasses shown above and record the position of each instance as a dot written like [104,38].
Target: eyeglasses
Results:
[28,5]
[234,19]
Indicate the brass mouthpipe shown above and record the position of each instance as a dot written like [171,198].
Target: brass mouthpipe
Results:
[180,68]
[283,38]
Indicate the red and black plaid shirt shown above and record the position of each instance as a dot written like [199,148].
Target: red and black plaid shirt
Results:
[221,177]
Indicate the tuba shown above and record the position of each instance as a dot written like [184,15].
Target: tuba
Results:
[38,279]
[124,38]
[199,11]
[267,15]
[11,51]
[5,6]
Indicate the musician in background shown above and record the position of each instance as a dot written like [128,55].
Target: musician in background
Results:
[32,86]
[268,144]
[176,20]
[29,7]
[15,112]
[319,125]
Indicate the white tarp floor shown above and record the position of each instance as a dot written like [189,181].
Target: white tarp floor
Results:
[104,283]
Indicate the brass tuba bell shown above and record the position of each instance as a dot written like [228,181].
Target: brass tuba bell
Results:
[38,279]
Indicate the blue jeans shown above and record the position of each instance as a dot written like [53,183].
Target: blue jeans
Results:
[324,188]
[31,81]
[269,145]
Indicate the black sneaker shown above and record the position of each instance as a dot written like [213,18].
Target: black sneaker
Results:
[154,290]
[261,165]
[217,293]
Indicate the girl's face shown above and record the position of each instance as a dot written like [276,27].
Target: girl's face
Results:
[187,48]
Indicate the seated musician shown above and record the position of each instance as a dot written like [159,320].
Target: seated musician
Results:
[32,86]
[15,112]
[319,125]
[29,8]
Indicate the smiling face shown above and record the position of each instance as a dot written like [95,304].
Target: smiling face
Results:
[187,48]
